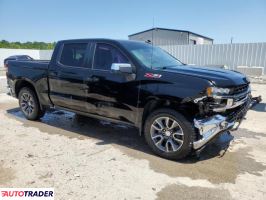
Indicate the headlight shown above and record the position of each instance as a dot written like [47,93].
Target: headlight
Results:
[214,91]
[247,78]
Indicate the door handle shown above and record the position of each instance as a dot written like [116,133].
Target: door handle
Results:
[93,79]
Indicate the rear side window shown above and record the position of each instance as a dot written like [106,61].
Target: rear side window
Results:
[73,54]
[106,55]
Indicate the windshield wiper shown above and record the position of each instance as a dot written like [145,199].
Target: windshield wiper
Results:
[166,67]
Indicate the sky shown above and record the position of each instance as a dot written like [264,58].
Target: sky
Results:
[52,20]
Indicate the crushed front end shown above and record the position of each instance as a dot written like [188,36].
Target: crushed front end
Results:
[220,110]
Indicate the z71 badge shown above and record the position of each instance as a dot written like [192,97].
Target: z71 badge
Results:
[151,75]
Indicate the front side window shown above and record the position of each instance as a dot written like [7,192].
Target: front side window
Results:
[73,54]
[105,55]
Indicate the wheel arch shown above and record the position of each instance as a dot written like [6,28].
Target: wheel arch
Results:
[21,83]
[188,109]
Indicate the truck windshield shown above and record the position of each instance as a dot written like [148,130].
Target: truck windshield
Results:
[151,56]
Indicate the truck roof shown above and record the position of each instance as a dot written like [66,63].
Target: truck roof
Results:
[99,40]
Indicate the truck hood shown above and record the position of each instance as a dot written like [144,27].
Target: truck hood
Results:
[219,77]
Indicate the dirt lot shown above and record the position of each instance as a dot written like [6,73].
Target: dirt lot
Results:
[2,83]
[83,158]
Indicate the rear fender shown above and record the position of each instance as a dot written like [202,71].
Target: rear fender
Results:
[24,82]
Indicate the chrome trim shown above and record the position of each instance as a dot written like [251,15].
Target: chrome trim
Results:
[234,96]
[234,105]
[199,99]
[120,66]
[209,128]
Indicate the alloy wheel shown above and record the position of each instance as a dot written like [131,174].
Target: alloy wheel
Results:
[167,134]
[27,103]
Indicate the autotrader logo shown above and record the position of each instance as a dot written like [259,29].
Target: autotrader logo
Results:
[26,193]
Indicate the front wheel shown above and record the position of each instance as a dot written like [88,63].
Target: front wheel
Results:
[169,134]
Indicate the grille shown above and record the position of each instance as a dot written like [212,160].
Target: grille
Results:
[240,89]
[239,113]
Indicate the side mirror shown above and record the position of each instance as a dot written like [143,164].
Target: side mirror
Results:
[122,67]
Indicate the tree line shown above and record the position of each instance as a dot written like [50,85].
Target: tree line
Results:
[26,45]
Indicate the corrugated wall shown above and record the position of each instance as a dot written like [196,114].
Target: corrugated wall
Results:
[231,55]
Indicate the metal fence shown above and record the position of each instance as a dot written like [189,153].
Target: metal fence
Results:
[231,55]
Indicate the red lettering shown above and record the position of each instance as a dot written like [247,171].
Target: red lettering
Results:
[4,193]
[21,193]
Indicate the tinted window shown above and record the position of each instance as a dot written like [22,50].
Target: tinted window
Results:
[106,55]
[73,54]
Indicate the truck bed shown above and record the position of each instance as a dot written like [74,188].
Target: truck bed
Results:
[35,72]
[33,68]
[36,64]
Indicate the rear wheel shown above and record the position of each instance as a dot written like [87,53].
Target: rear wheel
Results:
[169,134]
[29,104]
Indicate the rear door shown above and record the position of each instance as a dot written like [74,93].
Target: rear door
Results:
[67,77]
[113,94]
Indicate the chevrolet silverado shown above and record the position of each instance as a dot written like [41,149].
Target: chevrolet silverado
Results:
[178,108]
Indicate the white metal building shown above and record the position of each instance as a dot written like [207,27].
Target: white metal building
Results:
[163,36]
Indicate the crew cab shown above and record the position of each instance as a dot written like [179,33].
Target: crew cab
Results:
[178,108]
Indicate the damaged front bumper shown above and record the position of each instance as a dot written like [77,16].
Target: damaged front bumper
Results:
[212,126]
[224,113]
[209,128]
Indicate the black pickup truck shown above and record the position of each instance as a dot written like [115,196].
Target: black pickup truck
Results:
[178,108]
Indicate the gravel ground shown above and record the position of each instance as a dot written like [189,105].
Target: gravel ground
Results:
[2,71]
[83,158]
[3,84]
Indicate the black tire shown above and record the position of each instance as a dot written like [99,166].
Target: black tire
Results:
[32,104]
[187,137]
[42,113]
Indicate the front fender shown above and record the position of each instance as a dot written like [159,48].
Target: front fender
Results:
[156,94]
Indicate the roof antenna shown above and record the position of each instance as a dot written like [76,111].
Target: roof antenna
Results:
[151,41]
[152,30]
